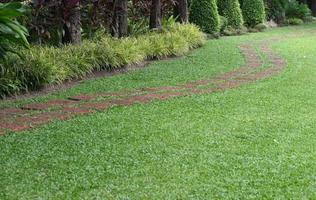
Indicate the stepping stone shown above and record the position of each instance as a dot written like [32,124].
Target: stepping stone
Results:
[34,120]
[57,115]
[122,102]
[12,111]
[165,96]
[150,89]
[187,85]
[83,97]
[96,105]
[36,106]
[50,104]
[77,111]
[13,126]
[201,82]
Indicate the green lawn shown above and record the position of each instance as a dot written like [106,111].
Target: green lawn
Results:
[254,142]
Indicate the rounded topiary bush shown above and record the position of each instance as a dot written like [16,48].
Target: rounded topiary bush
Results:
[204,13]
[253,12]
[231,10]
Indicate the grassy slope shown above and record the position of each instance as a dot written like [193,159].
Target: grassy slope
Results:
[257,141]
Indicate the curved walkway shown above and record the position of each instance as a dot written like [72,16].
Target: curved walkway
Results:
[33,115]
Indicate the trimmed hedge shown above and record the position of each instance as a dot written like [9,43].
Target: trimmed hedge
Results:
[204,13]
[231,10]
[253,12]
[43,65]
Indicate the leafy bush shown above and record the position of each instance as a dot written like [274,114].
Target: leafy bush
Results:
[253,12]
[261,27]
[275,10]
[223,23]
[294,9]
[52,65]
[204,13]
[294,21]
[11,32]
[231,10]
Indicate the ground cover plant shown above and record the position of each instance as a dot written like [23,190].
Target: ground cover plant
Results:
[251,142]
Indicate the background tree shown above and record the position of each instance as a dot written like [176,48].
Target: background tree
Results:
[204,13]
[253,12]
[120,18]
[180,11]
[72,24]
[155,15]
[231,10]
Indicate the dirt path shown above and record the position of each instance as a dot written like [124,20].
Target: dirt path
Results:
[33,115]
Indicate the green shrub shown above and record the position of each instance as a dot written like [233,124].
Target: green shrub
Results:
[223,23]
[275,10]
[253,12]
[294,21]
[294,9]
[231,10]
[204,13]
[43,65]
[261,27]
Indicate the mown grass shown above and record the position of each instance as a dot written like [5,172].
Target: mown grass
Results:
[254,142]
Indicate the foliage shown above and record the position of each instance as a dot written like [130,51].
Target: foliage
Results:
[294,21]
[231,10]
[223,23]
[204,13]
[138,27]
[275,10]
[294,9]
[253,12]
[261,27]
[51,65]
[141,8]
[12,33]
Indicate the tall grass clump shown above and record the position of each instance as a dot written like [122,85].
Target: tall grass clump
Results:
[44,65]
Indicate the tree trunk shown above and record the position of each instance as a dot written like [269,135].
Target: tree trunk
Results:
[72,24]
[108,14]
[313,7]
[180,11]
[120,20]
[155,15]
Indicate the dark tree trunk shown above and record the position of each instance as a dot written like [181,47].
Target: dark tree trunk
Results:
[72,24]
[120,20]
[155,15]
[313,7]
[108,14]
[180,11]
